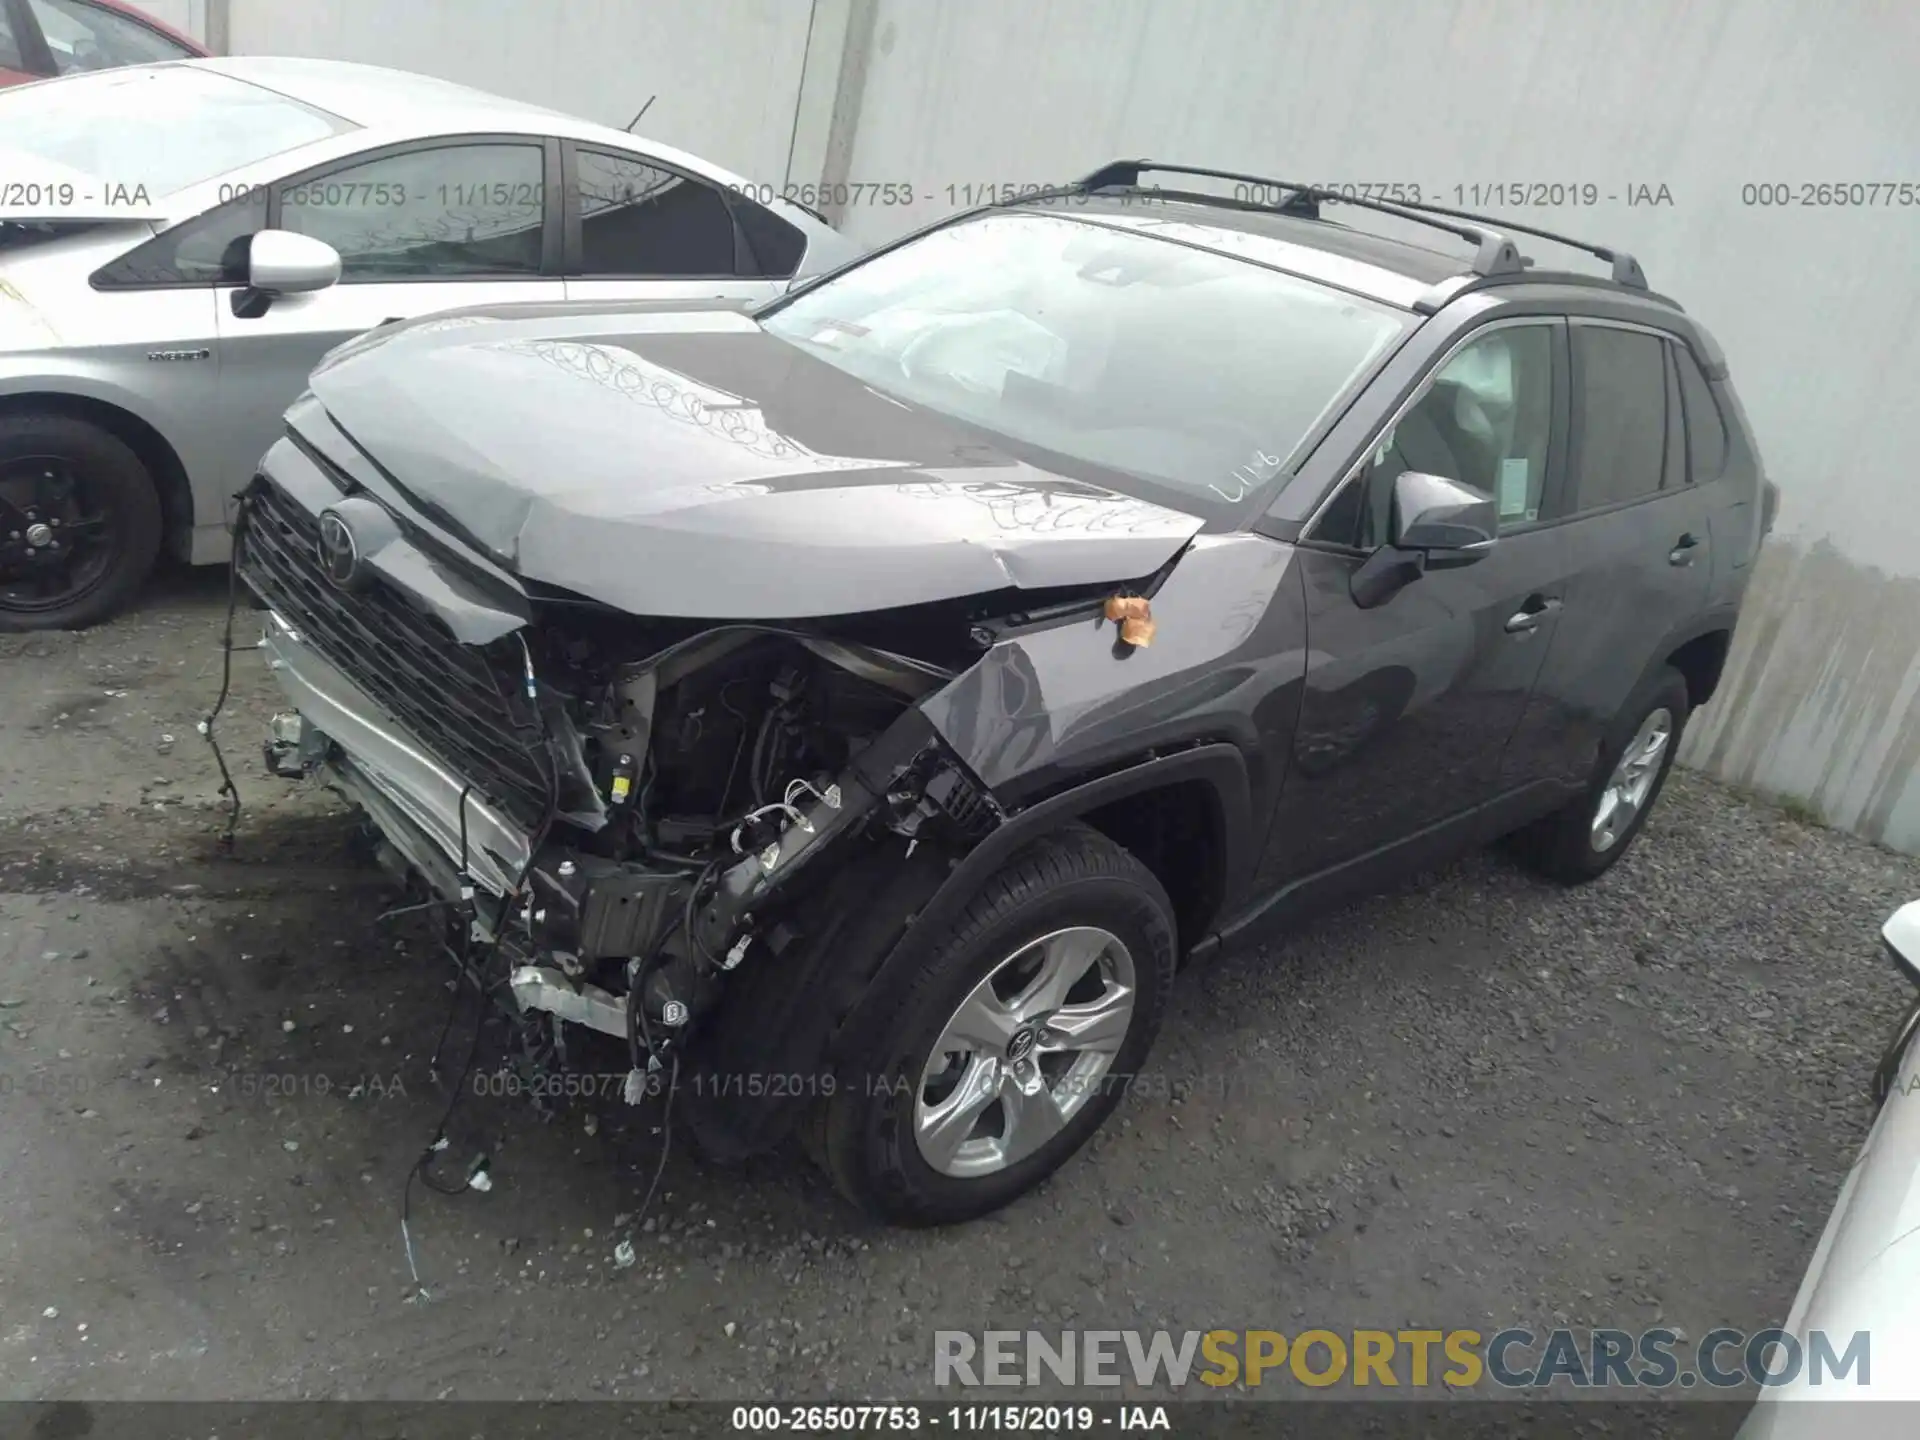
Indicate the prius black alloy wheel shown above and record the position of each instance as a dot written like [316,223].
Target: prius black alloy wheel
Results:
[58,540]
[80,522]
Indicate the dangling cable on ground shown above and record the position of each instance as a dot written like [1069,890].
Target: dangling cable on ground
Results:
[228,789]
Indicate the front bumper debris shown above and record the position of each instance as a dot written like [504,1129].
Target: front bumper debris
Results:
[414,800]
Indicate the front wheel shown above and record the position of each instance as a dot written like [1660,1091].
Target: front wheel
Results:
[80,523]
[1013,1043]
[1587,837]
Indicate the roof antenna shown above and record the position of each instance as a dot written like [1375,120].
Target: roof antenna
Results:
[643,110]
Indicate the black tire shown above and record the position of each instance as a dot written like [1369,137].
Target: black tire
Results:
[1563,846]
[1073,877]
[105,479]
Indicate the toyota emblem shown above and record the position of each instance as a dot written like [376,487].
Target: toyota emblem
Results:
[339,555]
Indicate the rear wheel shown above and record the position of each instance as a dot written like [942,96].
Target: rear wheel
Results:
[1587,837]
[1013,1043]
[80,523]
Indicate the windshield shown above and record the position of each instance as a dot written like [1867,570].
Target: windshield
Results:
[1193,372]
[159,129]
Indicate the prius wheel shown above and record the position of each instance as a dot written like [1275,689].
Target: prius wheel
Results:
[1586,838]
[80,523]
[1006,1052]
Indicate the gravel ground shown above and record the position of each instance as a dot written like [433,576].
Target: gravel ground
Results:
[1477,1101]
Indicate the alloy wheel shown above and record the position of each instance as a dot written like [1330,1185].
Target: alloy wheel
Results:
[1632,779]
[1026,1049]
[56,540]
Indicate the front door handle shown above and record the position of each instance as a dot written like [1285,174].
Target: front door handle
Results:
[1528,617]
[1683,550]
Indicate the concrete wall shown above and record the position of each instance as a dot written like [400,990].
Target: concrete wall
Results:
[725,74]
[189,17]
[1817,306]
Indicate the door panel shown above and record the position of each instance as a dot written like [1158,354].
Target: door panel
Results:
[1639,545]
[1408,707]
[1623,594]
[1411,707]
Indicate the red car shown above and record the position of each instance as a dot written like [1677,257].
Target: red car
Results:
[42,38]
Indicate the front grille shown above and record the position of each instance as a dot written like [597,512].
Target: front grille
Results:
[461,702]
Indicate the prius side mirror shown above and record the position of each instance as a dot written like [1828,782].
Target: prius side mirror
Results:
[280,262]
[1437,524]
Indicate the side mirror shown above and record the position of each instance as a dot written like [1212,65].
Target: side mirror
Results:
[1438,524]
[1901,935]
[1454,523]
[280,262]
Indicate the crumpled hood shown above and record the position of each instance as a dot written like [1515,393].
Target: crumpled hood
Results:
[678,461]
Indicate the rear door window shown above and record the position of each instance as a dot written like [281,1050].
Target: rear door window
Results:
[1619,415]
[1706,426]
[641,222]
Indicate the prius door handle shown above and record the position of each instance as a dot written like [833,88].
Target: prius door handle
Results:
[1683,550]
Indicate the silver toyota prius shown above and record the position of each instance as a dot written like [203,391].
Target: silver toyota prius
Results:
[180,244]
[1853,1334]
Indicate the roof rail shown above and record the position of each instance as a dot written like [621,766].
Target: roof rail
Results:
[1494,254]
[1626,269]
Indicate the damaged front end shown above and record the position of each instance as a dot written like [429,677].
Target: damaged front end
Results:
[638,819]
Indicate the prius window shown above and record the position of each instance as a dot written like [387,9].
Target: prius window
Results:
[451,211]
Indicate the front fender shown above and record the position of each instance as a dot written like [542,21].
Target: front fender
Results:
[1049,710]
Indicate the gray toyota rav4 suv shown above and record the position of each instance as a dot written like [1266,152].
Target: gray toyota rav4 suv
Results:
[851,711]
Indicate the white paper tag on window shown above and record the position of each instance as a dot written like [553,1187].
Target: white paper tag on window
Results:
[1513,488]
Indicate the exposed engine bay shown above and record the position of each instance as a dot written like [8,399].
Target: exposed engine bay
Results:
[702,780]
[693,774]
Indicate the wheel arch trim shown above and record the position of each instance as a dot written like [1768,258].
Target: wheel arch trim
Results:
[132,425]
[1219,765]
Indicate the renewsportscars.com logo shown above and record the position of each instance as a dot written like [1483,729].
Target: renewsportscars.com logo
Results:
[1513,1359]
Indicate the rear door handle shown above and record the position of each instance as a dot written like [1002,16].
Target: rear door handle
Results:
[1528,617]
[1682,552]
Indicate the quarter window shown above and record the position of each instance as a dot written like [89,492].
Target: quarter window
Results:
[639,220]
[775,245]
[1485,419]
[209,249]
[451,211]
[1621,416]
